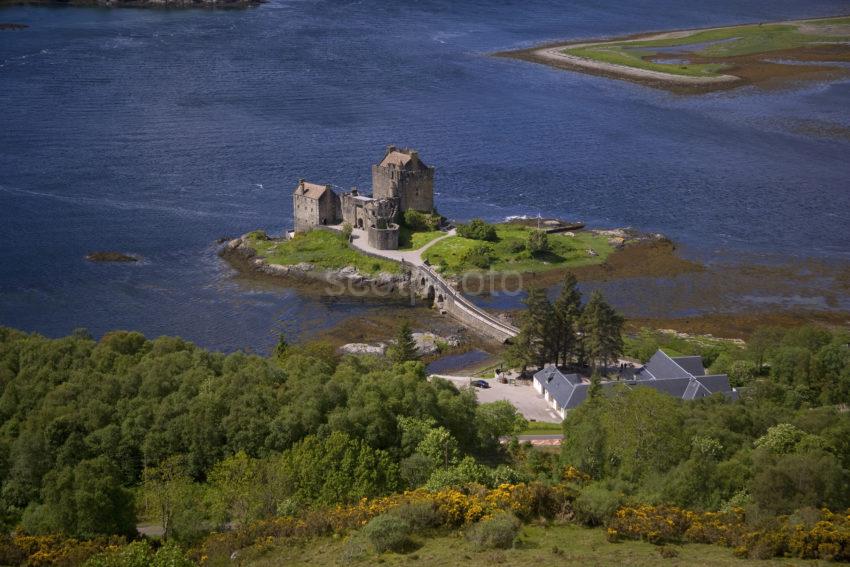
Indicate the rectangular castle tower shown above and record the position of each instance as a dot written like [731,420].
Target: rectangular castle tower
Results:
[402,175]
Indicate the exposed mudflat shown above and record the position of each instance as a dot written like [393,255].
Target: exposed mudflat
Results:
[769,69]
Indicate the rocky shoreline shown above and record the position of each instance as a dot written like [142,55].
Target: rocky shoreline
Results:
[242,256]
[168,4]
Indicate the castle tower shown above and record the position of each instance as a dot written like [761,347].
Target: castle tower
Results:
[402,175]
[314,205]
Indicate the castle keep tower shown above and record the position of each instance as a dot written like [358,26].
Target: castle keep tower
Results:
[314,205]
[402,175]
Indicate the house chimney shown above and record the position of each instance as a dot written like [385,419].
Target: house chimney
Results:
[390,149]
[354,191]
[415,155]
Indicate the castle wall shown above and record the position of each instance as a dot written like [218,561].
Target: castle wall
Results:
[306,212]
[414,188]
[309,213]
[383,239]
[354,211]
[417,190]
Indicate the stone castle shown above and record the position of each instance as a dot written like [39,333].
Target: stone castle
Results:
[400,182]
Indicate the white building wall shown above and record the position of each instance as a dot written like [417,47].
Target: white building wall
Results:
[538,387]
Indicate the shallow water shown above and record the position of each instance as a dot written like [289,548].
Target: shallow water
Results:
[156,132]
[455,362]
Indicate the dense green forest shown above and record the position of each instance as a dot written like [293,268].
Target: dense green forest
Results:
[83,420]
[98,436]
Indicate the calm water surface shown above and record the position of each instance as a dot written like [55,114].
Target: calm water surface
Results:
[156,132]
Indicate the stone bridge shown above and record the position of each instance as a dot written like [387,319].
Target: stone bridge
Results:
[431,286]
[427,284]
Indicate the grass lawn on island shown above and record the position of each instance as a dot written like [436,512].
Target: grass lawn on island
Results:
[408,240]
[719,44]
[557,545]
[322,248]
[566,251]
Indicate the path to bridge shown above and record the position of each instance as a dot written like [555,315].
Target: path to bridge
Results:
[414,257]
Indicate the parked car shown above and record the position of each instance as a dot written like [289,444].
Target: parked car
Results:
[480,383]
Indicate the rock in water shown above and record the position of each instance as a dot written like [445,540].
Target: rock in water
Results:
[362,348]
[110,257]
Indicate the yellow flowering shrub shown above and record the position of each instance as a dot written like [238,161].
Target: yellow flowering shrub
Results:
[827,539]
[454,507]
[723,528]
[572,474]
[51,550]
[656,524]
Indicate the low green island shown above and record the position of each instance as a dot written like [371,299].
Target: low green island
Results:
[501,248]
[720,43]
[712,58]
[510,251]
[322,248]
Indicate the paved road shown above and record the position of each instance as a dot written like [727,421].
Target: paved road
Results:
[359,240]
[542,440]
[524,398]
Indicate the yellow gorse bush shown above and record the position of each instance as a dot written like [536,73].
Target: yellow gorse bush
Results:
[51,550]
[454,507]
[827,539]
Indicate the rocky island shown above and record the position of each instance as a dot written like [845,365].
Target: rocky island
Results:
[394,243]
[110,256]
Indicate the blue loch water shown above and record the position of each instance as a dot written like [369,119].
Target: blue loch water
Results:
[156,132]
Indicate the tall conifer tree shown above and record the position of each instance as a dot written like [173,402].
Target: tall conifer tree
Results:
[567,314]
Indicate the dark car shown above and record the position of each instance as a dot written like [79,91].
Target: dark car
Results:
[480,383]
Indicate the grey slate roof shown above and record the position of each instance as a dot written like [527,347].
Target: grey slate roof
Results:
[560,386]
[681,377]
[660,367]
[691,364]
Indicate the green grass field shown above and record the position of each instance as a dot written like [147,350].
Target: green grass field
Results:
[716,43]
[320,247]
[557,545]
[566,251]
[542,428]
[408,240]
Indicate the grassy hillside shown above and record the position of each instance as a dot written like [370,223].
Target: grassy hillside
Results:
[557,545]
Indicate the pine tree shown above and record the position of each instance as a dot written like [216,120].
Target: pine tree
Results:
[404,348]
[567,314]
[281,347]
[539,327]
[519,353]
[602,332]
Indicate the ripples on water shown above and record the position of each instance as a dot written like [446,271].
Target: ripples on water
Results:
[156,132]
